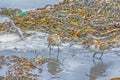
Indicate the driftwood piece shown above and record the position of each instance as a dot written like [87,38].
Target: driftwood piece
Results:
[16,29]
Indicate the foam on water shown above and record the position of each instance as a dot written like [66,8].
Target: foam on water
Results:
[11,41]
[2,19]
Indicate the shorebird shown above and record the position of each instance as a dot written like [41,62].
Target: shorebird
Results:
[98,46]
[54,40]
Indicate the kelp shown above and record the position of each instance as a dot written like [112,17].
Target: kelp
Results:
[70,18]
[18,67]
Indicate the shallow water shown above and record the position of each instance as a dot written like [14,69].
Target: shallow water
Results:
[2,19]
[75,63]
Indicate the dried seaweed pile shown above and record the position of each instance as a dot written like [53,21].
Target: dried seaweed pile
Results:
[73,19]
[10,12]
[21,68]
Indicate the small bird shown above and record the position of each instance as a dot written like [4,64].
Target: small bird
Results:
[98,46]
[54,40]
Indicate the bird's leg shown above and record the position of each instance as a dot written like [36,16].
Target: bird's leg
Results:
[94,55]
[101,55]
[48,45]
[94,61]
[49,51]
[98,57]
[58,52]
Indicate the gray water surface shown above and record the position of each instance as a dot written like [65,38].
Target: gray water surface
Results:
[27,4]
[75,63]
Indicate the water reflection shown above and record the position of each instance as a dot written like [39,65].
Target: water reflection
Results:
[97,70]
[53,67]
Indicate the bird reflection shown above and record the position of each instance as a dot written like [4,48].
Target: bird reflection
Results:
[97,70]
[53,67]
